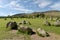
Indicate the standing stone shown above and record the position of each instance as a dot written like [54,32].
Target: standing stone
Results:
[25,29]
[25,22]
[57,23]
[51,18]
[42,32]
[12,25]
[47,23]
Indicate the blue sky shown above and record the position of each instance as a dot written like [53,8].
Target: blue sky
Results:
[11,7]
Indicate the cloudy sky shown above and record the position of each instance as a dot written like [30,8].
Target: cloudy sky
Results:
[10,7]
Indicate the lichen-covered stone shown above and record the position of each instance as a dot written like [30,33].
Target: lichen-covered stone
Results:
[25,29]
[57,23]
[12,25]
[42,32]
[47,23]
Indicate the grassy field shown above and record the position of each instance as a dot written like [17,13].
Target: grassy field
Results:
[36,23]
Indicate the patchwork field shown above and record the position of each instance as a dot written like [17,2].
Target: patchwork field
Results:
[6,34]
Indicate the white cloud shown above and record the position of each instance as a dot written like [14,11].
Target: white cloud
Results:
[24,10]
[55,5]
[3,14]
[11,13]
[1,6]
[26,1]
[42,3]
[1,1]
[14,5]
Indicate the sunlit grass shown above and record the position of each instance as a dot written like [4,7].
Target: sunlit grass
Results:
[35,23]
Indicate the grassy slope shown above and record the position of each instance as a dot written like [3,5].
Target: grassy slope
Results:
[53,13]
[36,23]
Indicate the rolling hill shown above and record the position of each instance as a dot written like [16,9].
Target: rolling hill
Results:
[54,13]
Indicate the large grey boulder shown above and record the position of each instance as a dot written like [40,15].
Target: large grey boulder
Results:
[57,23]
[23,22]
[47,23]
[25,29]
[12,25]
[51,18]
[42,32]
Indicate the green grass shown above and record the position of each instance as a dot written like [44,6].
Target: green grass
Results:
[36,23]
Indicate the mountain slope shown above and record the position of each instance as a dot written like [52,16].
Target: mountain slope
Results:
[47,13]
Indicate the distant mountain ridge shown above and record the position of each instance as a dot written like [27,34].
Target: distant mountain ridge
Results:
[52,13]
[48,13]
